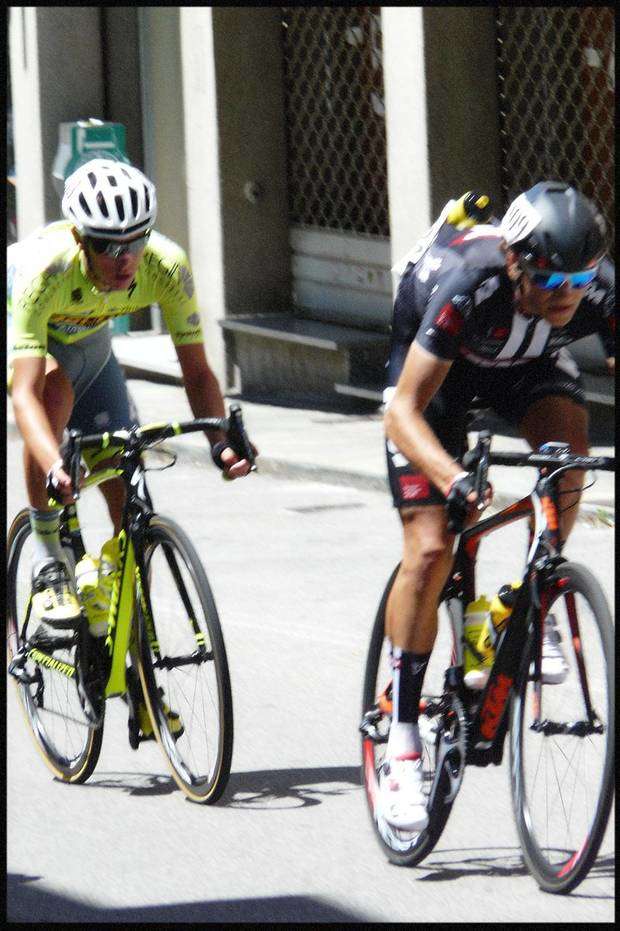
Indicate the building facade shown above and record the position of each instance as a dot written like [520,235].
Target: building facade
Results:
[299,152]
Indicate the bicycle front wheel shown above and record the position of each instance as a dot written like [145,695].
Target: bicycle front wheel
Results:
[45,673]
[183,665]
[562,753]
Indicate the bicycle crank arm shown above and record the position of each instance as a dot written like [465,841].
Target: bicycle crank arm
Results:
[451,762]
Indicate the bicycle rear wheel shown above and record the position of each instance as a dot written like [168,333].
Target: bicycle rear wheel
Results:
[442,726]
[562,771]
[47,689]
[183,664]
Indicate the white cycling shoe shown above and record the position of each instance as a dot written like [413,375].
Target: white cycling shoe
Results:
[402,801]
[554,667]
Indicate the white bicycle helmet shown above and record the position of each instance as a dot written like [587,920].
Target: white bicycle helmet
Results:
[109,199]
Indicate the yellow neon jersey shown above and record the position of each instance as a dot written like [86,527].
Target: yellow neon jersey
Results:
[50,294]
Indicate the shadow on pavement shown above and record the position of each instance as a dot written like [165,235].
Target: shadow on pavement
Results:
[28,902]
[132,783]
[442,865]
[293,785]
[245,790]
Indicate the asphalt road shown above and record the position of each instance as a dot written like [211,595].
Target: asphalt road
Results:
[297,569]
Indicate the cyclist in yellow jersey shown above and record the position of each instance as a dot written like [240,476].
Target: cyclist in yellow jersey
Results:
[70,279]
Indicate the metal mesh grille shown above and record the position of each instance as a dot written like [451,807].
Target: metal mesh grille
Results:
[335,115]
[557,96]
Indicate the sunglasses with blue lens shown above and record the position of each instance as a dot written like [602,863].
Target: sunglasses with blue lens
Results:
[551,281]
[114,249]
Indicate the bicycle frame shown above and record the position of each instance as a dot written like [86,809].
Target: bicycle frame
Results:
[488,723]
[122,600]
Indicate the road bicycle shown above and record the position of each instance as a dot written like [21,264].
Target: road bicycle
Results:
[561,735]
[164,645]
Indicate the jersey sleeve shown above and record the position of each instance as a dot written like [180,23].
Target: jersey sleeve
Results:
[447,308]
[34,300]
[176,297]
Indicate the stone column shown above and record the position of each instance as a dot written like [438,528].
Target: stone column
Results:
[56,77]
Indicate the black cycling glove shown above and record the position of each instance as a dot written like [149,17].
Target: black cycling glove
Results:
[457,505]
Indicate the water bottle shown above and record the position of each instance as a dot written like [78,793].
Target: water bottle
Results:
[108,567]
[500,610]
[475,666]
[87,585]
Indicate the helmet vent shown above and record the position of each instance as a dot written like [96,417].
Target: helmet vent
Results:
[113,181]
[134,201]
[102,204]
[84,205]
[92,177]
[147,198]
[120,207]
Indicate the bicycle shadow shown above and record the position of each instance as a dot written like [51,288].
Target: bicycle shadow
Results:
[490,863]
[261,788]
[133,783]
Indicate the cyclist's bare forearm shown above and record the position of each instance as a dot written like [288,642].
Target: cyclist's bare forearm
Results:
[201,387]
[36,430]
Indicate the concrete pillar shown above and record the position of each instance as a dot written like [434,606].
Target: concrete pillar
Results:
[53,80]
[164,130]
[235,163]
[442,115]
[409,171]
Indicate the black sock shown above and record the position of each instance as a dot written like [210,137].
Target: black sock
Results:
[409,671]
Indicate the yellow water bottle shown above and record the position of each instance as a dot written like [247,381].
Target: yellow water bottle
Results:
[87,585]
[108,567]
[499,612]
[475,665]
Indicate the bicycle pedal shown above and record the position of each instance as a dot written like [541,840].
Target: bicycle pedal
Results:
[17,669]
[368,726]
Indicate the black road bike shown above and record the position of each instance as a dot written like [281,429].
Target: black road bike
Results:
[561,735]
[164,647]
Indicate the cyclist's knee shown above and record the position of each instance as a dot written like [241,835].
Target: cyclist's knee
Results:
[427,548]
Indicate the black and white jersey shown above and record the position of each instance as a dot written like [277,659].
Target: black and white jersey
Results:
[457,300]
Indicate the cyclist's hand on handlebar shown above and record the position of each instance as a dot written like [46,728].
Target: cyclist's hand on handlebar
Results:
[462,502]
[58,484]
[231,465]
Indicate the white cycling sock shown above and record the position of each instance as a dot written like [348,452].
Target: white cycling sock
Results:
[46,536]
[404,739]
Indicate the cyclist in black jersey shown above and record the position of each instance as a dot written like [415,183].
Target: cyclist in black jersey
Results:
[481,313]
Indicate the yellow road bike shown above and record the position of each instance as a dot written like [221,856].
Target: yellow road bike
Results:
[164,647]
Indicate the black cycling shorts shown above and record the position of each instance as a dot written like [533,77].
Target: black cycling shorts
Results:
[507,391]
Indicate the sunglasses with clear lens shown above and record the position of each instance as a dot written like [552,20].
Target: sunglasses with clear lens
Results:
[551,281]
[114,249]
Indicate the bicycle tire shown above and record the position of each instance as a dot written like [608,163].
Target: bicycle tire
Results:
[560,868]
[202,787]
[75,762]
[400,847]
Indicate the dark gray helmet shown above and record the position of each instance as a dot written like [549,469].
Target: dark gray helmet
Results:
[554,226]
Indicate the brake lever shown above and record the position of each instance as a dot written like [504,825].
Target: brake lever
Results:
[75,462]
[484,443]
[238,436]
